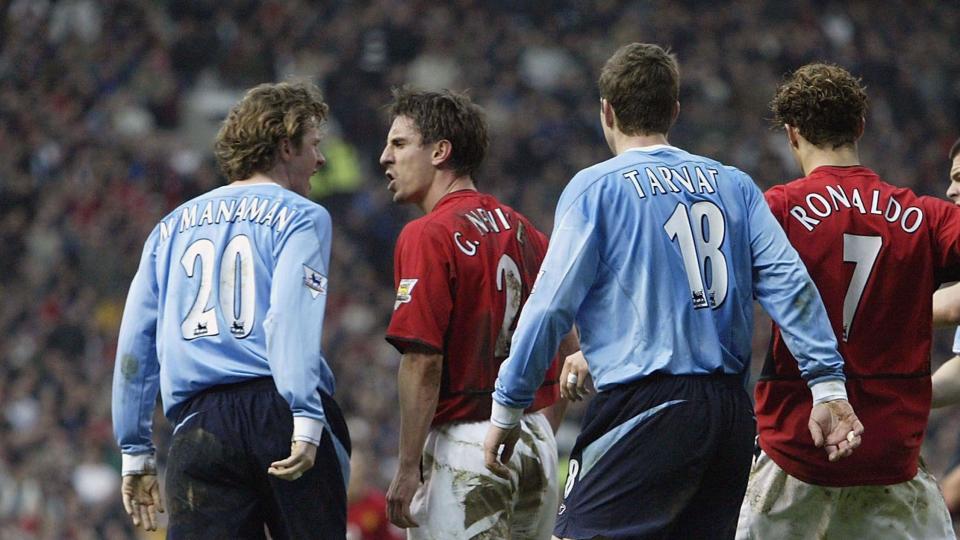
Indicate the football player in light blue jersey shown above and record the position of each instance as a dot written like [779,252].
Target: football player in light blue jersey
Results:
[657,254]
[224,318]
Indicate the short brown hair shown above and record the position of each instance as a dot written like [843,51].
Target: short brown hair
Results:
[954,150]
[642,83]
[824,102]
[250,136]
[446,115]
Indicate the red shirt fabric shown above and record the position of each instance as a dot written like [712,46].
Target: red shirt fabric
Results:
[367,519]
[463,272]
[876,253]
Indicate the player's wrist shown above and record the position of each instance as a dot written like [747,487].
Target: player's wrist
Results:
[138,464]
[504,417]
[307,430]
[828,391]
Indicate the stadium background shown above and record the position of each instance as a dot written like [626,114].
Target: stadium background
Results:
[108,109]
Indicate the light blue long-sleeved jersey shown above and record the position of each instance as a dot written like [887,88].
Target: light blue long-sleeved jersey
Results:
[657,254]
[231,286]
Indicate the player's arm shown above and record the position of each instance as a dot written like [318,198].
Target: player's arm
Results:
[136,381]
[566,275]
[418,386]
[946,383]
[946,306]
[293,325]
[417,329]
[784,288]
[569,345]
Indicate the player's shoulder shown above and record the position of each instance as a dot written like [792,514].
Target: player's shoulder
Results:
[433,224]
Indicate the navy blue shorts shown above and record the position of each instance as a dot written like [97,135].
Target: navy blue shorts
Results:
[217,483]
[664,457]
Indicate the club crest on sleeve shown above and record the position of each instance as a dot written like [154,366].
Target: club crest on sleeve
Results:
[315,281]
[404,292]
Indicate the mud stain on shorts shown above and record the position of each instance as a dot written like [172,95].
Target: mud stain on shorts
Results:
[485,498]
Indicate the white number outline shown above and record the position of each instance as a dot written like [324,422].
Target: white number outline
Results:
[863,252]
[237,263]
[509,280]
[697,247]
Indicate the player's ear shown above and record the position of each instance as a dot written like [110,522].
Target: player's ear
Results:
[792,135]
[442,150]
[285,148]
[606,111]
[861,126]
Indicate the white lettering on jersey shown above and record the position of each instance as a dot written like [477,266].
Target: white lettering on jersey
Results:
[823,206]
[469,248]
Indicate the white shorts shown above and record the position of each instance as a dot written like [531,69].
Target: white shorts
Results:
[778,505]
[460,498]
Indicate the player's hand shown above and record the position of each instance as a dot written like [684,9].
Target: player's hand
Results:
[141,499]
[835,427]
[575,380]
[402,489]
[495,458]
[302,457]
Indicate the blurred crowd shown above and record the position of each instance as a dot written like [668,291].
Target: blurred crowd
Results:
[108,109]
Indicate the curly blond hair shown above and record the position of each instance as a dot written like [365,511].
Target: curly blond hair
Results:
[251,134]
[824,102]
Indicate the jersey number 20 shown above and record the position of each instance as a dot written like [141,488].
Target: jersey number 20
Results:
[237,297]
[699,234]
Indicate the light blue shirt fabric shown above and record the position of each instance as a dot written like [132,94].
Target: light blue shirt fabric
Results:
[231,286]
[657,255]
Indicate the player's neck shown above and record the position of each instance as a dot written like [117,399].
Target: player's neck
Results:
[257,178]
[623,142]
[444,183]
[812,157]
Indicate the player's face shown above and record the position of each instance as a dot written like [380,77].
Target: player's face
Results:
[305,161]
[953,190]
[407,162]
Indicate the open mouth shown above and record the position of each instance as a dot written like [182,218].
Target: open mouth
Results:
[391,178]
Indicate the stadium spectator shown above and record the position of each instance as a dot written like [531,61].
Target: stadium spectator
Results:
[244,381]
[463,272]
[657,255]
[861,239]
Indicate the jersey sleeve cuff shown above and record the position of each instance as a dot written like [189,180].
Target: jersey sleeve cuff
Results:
[133,465]
[504,417]
[307,430]
[828,391]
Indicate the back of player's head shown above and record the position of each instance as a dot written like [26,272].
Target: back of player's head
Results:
[250,136]
[824,102]
[449,116]
[954,150]
[641,81]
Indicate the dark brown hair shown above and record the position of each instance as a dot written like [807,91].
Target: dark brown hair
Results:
[250,136]
[954,150]
[824,102]
[642,83]
[449,116]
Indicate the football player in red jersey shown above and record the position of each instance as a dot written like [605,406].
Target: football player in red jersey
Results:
[946,380]
[862,239]
[463,272]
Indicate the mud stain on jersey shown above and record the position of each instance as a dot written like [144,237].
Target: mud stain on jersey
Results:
[129,367]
